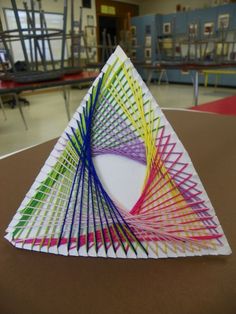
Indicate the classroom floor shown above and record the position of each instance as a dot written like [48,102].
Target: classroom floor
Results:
[225,106]
[46,115]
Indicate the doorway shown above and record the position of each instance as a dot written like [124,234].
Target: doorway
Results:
[110,24]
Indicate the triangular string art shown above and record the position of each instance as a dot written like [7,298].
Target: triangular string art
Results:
[70,209]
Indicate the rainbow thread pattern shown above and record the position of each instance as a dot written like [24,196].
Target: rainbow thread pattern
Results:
[68,211]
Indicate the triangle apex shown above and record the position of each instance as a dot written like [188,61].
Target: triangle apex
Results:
[120,53]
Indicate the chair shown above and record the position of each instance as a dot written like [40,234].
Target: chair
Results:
[12,102]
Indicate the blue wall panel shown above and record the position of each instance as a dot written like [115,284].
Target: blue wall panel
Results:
[141,22]
[138,23]
[181,23]
[231,10]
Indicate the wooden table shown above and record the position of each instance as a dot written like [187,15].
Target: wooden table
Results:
[41,283]
[10,87]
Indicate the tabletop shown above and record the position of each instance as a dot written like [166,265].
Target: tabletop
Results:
[195,66]
[67,79]
[33,282]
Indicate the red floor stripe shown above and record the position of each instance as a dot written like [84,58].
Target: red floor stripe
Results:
[224,106]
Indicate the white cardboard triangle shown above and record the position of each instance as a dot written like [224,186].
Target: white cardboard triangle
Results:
[72,210]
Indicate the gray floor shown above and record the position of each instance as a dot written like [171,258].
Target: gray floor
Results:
[46,115]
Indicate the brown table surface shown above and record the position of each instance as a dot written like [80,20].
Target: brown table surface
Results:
[33,282]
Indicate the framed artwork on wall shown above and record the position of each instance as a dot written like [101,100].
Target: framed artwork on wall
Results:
[86,4]
[166,28]
[148,55]
[90,20]
[193,29]
[148,41]
[223,21]
[133,31]
[148,29]
[208,28]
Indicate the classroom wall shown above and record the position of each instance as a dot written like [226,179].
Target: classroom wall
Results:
[169,6]
[130,1]
[57,7]
[182,20]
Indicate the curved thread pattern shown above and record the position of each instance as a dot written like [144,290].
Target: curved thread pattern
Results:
[69,211]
